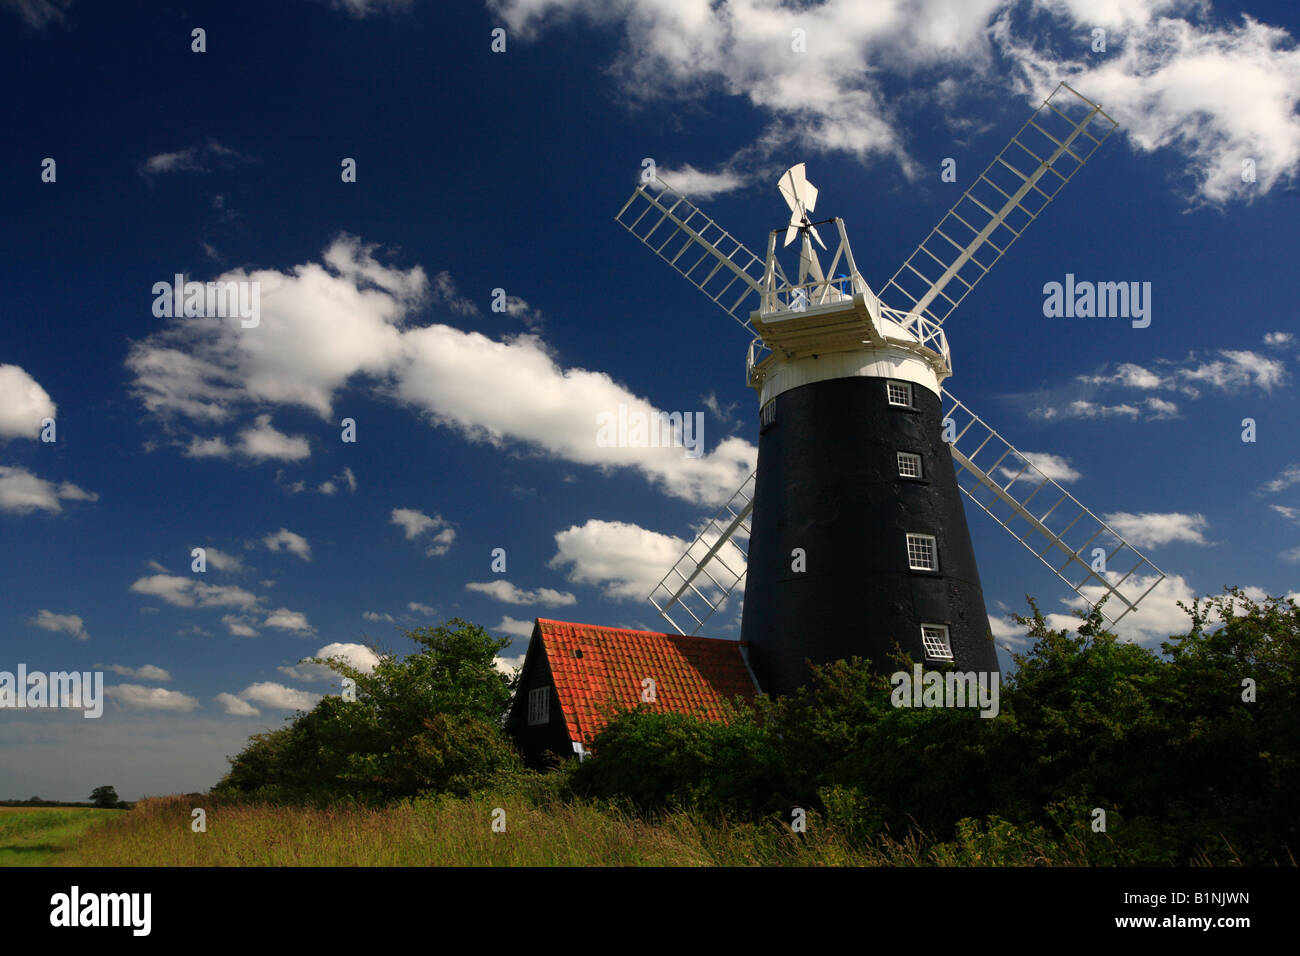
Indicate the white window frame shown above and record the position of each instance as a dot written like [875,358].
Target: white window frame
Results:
[923,540]
[942,643]
[539,706]
[912,458]
[890,385]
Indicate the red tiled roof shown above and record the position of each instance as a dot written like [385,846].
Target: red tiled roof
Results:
[692,675]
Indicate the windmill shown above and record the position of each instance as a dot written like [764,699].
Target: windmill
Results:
[855,530]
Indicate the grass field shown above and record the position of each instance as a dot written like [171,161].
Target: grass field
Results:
[43,836]
[459,832]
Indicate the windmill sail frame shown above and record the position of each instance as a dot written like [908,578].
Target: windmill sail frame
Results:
[1000,205]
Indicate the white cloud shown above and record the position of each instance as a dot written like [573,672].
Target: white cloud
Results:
[286,620]
[223,561]
[357,655]
[279,697]
[235,706]
[699,185]
[263,441]
[22,492]
[1290,475]
[188,592]
[289,541]
[416,523]
[194,159]
[138,697]
[239,626]
[376,616]
[1238,369]
[1291,514]
[364,8]
[214,447]
[515,628]
[510,594]
[1177,80]
[331,485]
[419,608]
[324,325]
[508,665]
[625,560]
[1127,374]
[1051,466]
[1160,409]
[147,672]
[67,623]
[24,406]
[1211,95]
[1278,339]
[1151,530]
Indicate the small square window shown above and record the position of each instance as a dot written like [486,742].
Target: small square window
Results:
[922,555]
[900,393]
[539,705]
[909,465]
[767,416]
[935,639]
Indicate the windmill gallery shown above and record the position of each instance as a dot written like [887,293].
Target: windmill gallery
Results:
[863,460]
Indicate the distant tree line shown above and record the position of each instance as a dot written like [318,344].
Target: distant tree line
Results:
[1193,756]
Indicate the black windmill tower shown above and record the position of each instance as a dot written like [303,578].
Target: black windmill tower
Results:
[851,535]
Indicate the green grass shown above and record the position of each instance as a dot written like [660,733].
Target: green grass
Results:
[43,836]
[458,832]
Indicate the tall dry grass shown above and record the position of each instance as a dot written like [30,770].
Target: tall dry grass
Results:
[459,832]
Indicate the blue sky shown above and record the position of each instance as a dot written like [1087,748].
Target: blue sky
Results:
[476,429]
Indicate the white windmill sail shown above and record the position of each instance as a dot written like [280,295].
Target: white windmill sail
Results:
[1050,148]
[710,569]
[1083,551]
[713,260]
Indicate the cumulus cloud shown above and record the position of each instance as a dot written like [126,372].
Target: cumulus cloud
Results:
[1212,95]
[1179,81]
[510,594]
[268,694]
[146,672]
[419,608]
[189,592]
[416,524]
[376,616]
[357,655]
[66,623]
[279,697]
[346,321]
[25,404]
[285,620]
[235,706]
[1278,339]
[239,626]
[1051,466]
[192,159]
[508,665]
[515,628]
[139,697]
[286,540]
[1151,530]
[1227,370]
[22,492]
[222,561]
[624,560]
[698,184]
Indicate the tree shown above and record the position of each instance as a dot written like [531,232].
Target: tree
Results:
[428,722]
[104,797]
